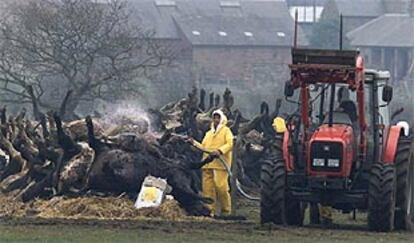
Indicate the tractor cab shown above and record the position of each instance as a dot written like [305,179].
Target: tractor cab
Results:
[345,119]
[339,148]
[341,111]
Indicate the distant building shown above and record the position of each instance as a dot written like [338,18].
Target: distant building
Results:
[241,44]
[355,12]
[388,41]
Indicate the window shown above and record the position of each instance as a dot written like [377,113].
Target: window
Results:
[281,34]
[248,34]
[346,93]
[231,8]
[222,33]
[165,3]
[231,4]
[306,14]
[384,112]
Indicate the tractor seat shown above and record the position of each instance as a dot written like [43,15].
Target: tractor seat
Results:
[349,107]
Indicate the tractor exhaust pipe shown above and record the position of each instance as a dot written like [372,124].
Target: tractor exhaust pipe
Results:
[295,39]
[341,31]
[331,104]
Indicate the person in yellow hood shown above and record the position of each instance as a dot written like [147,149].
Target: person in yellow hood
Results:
[219,141]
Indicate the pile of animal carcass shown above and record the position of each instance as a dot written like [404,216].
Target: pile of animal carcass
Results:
[103,157]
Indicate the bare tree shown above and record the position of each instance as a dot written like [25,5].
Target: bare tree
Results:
[55,54]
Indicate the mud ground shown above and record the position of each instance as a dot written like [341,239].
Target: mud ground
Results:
[190,230]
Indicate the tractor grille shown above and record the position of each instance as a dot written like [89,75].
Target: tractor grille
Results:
[326,156]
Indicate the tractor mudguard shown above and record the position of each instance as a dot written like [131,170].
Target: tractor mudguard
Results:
[286,154]
[390,145]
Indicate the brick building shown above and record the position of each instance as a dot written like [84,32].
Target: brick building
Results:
[241,44]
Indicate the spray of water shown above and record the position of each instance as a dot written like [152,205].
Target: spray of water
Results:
[127,114]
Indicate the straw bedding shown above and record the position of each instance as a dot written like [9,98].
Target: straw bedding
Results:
[108,208]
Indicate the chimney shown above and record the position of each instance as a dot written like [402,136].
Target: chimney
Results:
[396,6]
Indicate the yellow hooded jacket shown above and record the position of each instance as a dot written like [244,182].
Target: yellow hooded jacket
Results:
[218,139]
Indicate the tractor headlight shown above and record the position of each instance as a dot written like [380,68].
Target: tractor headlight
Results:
[333,162]
[318,162]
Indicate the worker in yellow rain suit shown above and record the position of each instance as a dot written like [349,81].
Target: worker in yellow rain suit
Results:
[219,141]
[325,212]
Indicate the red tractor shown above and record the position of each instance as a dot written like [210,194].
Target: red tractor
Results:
[339,148]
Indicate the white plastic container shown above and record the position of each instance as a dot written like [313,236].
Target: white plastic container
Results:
[152,193]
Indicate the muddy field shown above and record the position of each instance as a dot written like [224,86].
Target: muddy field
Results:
[31,229]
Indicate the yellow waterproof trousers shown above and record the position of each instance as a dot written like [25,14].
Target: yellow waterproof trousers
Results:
[216,186]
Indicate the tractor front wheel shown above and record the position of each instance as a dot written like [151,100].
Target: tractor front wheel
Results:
[274,204]
[381,197]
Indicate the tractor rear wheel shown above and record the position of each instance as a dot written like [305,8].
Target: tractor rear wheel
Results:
[274,205]
[381,197]
[404,163]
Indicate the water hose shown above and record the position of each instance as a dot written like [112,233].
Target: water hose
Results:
[224,163]
[238,184]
